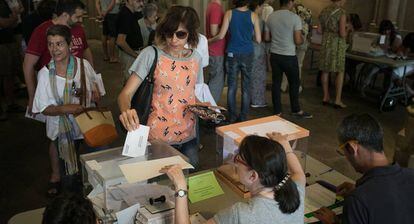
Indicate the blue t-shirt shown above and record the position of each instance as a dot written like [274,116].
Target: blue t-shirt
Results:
[241,32]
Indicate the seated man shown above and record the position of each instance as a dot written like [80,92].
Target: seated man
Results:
[385,193]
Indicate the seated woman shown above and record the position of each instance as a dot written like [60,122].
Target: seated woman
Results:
[69,208]
[273,175]
[58,97]
[392,43]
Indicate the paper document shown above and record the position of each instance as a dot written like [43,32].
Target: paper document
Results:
[127,216]
[203,186]
[37,117]
[283,127]
[318,196]
[136,142]
[145,170]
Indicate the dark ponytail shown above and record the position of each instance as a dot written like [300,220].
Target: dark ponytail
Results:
[268,159]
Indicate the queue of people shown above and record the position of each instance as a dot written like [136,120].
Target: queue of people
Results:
[58,52]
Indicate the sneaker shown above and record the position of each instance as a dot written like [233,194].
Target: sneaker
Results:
[302,114]
[15,108]
[258,105]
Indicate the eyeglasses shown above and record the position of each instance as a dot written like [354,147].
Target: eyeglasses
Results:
[341,148]
[237,159]
[179,34]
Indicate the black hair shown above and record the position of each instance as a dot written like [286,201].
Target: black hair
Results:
[388,25]
[60,30]
[408,42]
[46,8]
[240,3]
[284,2]
[68,6]
[268,159]
[362,128]
[175,16]
[355,21]
[254,4]
[69,208]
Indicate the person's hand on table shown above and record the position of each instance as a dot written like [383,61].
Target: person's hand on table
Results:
[129,119]
[176,175]
[345,189]
[326,216]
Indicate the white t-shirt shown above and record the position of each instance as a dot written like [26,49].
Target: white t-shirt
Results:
[282,24]
[44,96]
[202,49]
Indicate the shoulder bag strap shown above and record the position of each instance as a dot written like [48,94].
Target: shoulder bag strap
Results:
[84,90]
[154,64]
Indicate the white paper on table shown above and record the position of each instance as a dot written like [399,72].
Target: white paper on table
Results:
[127,216]
[283,127]
[136,142]
[37,117]
[100,84]
[93,164]
[145,170]
[318,196]
[229,146]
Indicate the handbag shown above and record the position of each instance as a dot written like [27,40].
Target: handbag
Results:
[206,112]
[96,123]
[141,101]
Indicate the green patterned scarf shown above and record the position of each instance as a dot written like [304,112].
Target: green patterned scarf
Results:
[66,144]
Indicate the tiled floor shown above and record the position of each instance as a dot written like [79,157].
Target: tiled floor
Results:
[24,165]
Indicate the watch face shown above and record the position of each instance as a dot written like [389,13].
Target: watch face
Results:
[181,193]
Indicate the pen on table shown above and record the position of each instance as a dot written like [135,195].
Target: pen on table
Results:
[330,170]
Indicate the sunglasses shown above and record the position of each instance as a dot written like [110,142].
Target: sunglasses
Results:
[179,34]
[237,159]
[341,148]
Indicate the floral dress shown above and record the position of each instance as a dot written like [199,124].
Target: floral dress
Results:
[333,49]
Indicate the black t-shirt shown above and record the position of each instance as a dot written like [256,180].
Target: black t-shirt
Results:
[384,195]
[6,34]
[127,23]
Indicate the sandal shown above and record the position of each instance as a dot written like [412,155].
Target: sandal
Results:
[53,189]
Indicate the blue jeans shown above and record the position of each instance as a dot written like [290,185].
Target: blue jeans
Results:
[216,72]
[189,149]
[235,64]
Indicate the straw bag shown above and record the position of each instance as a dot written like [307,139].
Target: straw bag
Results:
[96,123]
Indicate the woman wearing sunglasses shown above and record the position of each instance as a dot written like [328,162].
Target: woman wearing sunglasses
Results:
[273,175]
[177,71]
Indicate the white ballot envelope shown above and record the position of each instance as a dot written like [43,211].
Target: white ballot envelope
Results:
[136,142]
[145,170]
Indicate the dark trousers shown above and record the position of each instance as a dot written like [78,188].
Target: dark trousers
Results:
[288,65]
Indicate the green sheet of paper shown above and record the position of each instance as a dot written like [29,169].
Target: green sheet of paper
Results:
[203,186]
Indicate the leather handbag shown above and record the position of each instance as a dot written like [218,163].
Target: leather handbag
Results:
[96,123]
[141,101]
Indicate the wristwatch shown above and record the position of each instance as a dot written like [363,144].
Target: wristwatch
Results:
[180,193]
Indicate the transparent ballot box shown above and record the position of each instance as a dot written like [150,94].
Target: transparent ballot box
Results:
[229,137]
[100,170]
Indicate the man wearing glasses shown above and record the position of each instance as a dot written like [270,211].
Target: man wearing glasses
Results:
[385,192]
